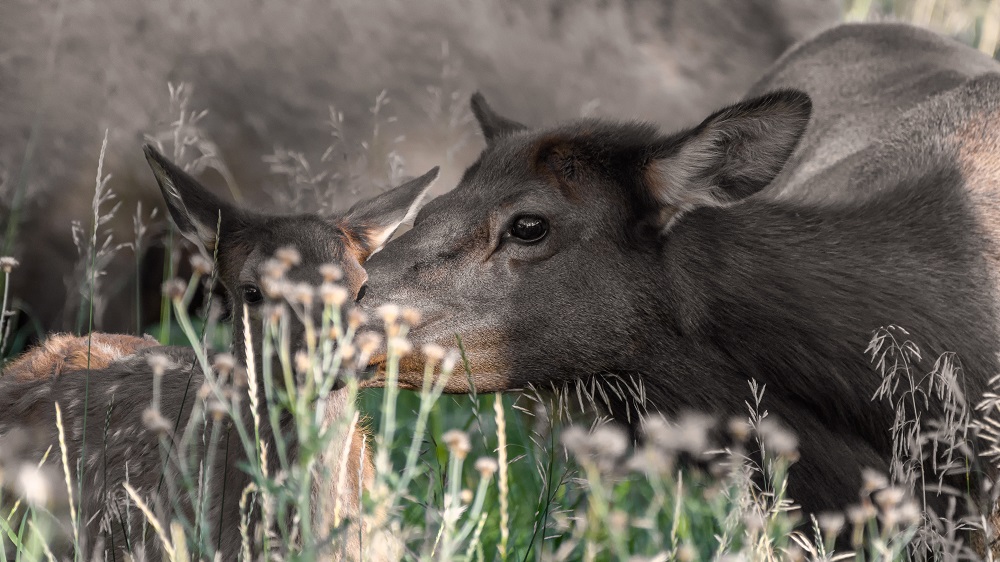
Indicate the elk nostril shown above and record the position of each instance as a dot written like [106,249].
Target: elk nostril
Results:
[361,293]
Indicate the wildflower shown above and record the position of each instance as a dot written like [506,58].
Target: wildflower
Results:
[433,353]
[399,345]
[276,289]
[909,513]
[347,351]
[487,466]
[217,409]
[175,289]
[201,264]
[155,422]
[650,460]
[389,313]
[689,435]
[604,447]
[7,264]
[33,485]
[332,295]
[860,514]
[466,496]
[355,318]
[224,363]
[889,498]
[458,442]
[872,480]
[368,343]
[331,273]
[302,293]
[273,269]
[302,362]
[831,523]
[777,439]
[204,391]
[449,361]
[159,363]
[289,256]
[739,428]
[411,316]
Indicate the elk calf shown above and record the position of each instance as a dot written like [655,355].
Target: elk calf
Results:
[123,432]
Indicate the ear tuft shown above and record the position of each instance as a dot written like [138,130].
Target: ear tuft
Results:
[730,156]
[372,222]
[492,124]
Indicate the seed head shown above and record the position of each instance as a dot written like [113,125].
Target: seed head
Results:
[33,485]
[224,363]
[777,439]
[910,513]
[201,264]
[449,361]
[411,316]
[331,273]
[389,313]
[275,313]
[240,377]
[872,480]
[831,523]
[347,351]
[458,442]
[7,264]
[400,346]
[159,363]
[155,422]
[686,553]
[739,428]
[302,362]
[175,289]
[889,498]
[273,269]
[433,353]
[204,391]
[332,295]
[302,293]
[217,409]
[368,343]
[466,496]
[860,514]
[487,466]
[289,256]
[355,318]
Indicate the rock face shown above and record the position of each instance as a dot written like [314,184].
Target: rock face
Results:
[268,73]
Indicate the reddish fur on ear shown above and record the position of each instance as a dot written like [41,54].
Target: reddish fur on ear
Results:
[555,158]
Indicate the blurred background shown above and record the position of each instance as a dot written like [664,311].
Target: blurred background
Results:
[309,106]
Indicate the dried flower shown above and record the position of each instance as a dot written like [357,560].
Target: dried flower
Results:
[347,351]
[159,363]
[302,293]
[466,496]
[331,273]
[740,429]
[603,447]
[458,442]
[872,480]
[860,514]
[224,363]
[889,498]
[411,316]
[155,422]
[332,295]
[217,409]
[910,513]
[401,346]
[302,362]
[355,318]
[449,361]
[273,269]
[433,353]
[368,343]
[777,439]
[289,256]
[831,523]
[487,466]
[33,485]
[201,264]
[175,289]
[686,553]
[7,264]
[389,313]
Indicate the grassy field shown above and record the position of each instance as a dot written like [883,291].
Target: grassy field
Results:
[536,475]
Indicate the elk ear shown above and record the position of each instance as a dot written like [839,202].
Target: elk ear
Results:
[193,208]
[491,123]
[372,222]
[731,155]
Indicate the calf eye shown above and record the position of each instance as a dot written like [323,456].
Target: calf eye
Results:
[529,228]
[252,294]
[361,292]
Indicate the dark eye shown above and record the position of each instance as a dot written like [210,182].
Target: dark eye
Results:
[252,294]
[529,228]
[361,293]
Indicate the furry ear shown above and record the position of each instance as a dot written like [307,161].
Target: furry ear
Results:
[733,154]
[193,208]
[492,124]
[372,222]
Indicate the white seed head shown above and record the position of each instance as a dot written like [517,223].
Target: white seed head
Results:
[154,421]
[686,553]
[7,264]
[389,313]
[411,316]
[224,363]
[487,466]
[355,318]
[331,273]
[890,497]
[273,269]
[175,289]
[217,409]
[400,346]
[450,360]
[872,480]
[739,428]
[34,487]
[830,523]
[433,353]
[201,264]
[288,255]
[302,293]
[302,362]
[458,442]
[159,363]
[332,295]
[466,496]
[368,343]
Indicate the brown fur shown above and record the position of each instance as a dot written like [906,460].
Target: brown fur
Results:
[62,353]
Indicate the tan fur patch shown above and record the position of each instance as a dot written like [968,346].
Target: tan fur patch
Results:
[62,353]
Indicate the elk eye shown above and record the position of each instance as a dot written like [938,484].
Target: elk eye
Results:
[361,292]
[529,228]
[252,294]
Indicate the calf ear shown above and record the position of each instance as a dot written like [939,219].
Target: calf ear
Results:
[491,123]
[731,155]
[193,208]
[372,222]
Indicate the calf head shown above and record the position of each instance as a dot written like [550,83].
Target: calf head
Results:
[548,258]
[246,242]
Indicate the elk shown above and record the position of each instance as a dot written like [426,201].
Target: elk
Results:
[597,249]
[119,383]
